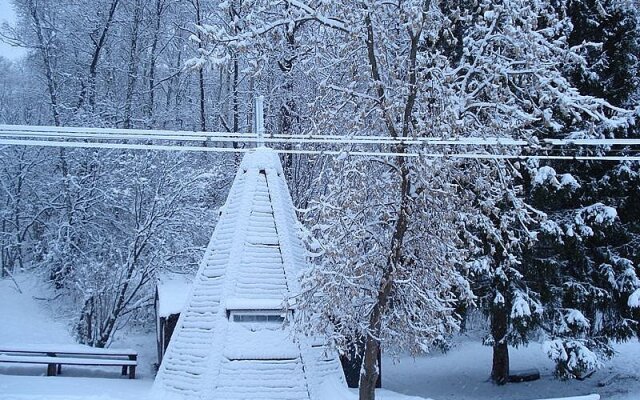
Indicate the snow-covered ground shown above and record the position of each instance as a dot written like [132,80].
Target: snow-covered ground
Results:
[26,319]
[460,374]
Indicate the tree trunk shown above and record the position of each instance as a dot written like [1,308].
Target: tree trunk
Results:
[288,109]
[88,88]
[370,369]
[173,92]
[500,366]
[132,70]
[150,107]
[201,88]
[18,215]
[48,69]
[4,244]
[235,95]
[203,115]
[84,327]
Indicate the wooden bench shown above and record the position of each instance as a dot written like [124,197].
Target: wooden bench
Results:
[57,355]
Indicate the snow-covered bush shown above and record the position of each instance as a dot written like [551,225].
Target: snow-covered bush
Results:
[573,358]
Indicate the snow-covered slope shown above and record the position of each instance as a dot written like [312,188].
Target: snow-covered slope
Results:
[23,319]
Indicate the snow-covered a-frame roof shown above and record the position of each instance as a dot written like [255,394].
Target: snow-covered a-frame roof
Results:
[231,340]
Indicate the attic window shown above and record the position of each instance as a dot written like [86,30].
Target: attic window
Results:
[257,316]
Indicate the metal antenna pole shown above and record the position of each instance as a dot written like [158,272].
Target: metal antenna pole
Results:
[258,120]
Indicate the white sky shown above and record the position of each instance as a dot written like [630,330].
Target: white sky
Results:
[8,15]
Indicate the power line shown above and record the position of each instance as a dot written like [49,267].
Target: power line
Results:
[121,134]
[155,147]
[81,133]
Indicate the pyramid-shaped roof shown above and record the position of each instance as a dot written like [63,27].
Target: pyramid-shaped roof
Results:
[225,345]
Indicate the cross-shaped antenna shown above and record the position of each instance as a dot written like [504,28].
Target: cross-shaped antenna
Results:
[258,120]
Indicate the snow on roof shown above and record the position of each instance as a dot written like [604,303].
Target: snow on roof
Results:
[252,262]
[273,343]
[172,296]
[254,304]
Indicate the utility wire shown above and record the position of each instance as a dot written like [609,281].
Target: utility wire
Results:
[81,133]
[133,146]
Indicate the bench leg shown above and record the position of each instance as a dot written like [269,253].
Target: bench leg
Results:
[51,369]
[132,368]
[132,372]
[59,369]
[124,370]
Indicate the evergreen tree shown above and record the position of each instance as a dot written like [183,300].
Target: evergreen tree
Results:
[607,30]
[501,232]
[586,262]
